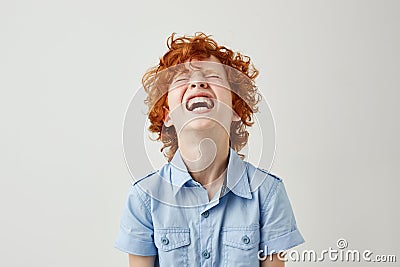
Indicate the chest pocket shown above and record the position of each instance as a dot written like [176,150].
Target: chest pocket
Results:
[172,244]
[241,245]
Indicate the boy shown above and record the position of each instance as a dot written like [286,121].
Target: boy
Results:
[203,207]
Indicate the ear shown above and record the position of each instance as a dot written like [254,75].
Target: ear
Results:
[167,118]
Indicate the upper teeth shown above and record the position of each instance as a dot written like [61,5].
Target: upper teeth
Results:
[198,102]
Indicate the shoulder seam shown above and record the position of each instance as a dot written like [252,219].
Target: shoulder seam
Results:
[271,174]
[144,177]
[271,192]
[143,201]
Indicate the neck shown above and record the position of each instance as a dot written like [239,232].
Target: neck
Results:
[205,155]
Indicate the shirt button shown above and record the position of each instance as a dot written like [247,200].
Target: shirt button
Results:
[164,241]
[245,239]
[205,214]
[206,254]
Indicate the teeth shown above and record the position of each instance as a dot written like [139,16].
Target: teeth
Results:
[200,103]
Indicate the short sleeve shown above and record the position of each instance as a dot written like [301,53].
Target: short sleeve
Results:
[135,234]
[278,225]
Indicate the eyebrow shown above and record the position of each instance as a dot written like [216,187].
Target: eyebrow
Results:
[180,72]
[211,71]
[202,65]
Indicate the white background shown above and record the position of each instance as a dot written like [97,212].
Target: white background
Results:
[329,70]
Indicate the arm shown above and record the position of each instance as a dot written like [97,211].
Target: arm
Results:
[278,226]
[135,235]
[275,262]
[141,261]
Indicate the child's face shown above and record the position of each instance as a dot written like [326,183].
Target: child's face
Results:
[199,97]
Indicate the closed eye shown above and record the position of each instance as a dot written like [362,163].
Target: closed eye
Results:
[180,80]
[213,76]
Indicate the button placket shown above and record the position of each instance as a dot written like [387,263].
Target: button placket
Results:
[206,233]
[206,254]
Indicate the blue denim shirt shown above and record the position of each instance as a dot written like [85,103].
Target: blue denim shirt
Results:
[168,214]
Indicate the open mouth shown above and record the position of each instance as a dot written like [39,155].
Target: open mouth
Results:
[199,103]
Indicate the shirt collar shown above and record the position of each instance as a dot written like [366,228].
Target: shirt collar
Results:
[237,179]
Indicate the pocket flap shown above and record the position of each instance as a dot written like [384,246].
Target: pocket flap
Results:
[245,238]
[171,238]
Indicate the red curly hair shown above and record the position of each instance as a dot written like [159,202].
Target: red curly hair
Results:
[245,96]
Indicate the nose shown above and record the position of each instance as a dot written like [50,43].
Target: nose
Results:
[202,85]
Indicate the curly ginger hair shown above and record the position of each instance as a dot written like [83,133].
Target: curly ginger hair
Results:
[245,96]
